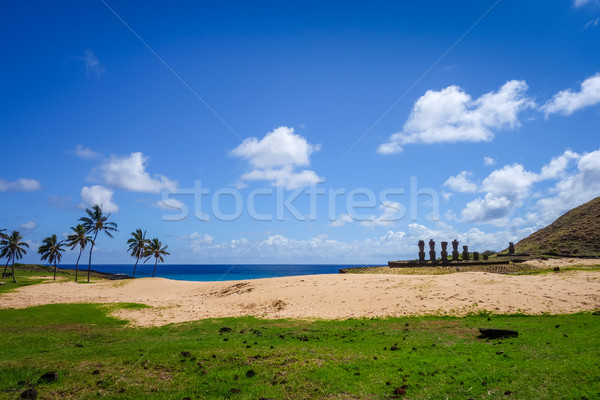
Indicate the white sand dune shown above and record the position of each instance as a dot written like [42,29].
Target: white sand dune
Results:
[327,296]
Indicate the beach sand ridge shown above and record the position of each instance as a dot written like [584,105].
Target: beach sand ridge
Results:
[327,296]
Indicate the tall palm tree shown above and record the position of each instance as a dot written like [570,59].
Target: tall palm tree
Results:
[155,249]
[78,238]
[51,250]
[4,236]
[137,246]
[12,247]
[95,223]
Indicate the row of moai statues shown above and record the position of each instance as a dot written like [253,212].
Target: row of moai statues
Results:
[444,252]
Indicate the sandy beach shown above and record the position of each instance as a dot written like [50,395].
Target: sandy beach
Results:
[327,296]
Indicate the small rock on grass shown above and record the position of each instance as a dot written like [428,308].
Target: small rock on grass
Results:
[250,374]
[186,354]
[497,333]
[49,376]
[399,391]
[30,393]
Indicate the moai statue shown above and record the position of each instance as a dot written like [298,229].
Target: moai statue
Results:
[444,252]
[432,250]
[421,250]
[485,257]
[455,250]
[511,248]
[465,252]
[476,256]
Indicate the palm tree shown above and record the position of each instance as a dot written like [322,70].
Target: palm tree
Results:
[4,236]
[94,223]
[155,249]
[12,247]
[137,246]
[51,250]
[78,238]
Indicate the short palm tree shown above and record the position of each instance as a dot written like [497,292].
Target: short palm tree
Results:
[137,246]
[95,223]
[51,250]
[155,249]
[78,238]
[13,248]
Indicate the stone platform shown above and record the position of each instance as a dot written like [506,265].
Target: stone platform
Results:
[439,263]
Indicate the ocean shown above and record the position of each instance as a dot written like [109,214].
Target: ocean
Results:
[216,272]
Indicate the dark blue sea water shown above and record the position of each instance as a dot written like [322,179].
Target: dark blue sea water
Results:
[217,272]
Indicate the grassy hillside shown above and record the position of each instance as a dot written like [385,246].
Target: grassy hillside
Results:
[576,233]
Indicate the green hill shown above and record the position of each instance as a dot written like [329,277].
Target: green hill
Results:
[576,233]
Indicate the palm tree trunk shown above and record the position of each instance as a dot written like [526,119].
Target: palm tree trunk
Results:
[91,248]
[137,260]
[6,266]
[54,270]
[77,263]
[155,262]
[13,269]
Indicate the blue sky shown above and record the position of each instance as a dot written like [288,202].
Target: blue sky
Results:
[405,121]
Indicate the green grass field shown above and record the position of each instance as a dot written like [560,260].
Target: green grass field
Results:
[96,355]
[33,274]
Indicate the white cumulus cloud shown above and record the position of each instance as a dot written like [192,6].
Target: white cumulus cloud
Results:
[86,153]
[276,158]
[505,189]
[129,173]
[489,161]
[198,240]
[489,209]
[574,188]
[451,115]
[557,166]
[341,220]
[566,102]
[98,195]
[20,185]
[461,183]
[28,226]
[512,180]
[576,177]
